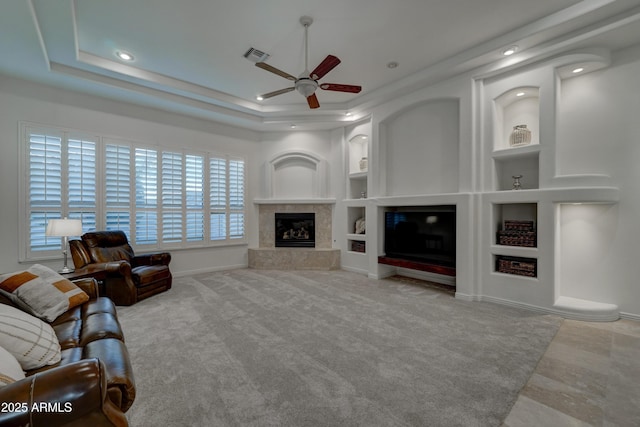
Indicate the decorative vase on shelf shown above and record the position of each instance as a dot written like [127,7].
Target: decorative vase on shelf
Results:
[363,164]
[517,185]
[520,136]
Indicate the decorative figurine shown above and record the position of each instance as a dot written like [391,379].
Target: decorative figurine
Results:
[516,182]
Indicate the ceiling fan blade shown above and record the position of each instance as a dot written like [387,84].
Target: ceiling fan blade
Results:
[312,100]
[329,63]
[341,88]
[274,70]
[277,92]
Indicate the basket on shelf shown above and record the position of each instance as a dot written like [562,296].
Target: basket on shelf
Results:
[520,136]
[517,233]
[515,265]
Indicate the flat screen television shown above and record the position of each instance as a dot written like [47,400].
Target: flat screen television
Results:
[424,234]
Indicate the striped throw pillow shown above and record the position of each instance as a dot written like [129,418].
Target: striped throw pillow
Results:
[10,369]
[42,292]
[30,340]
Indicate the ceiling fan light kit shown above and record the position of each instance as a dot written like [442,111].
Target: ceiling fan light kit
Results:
[306,86]
[307,83]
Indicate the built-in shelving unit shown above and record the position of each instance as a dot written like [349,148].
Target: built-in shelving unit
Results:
[517,106]
[355,242]
[522,267]
[520,161]
[356,236]
[358,164]
[430,149]
[515,249]
[517,112]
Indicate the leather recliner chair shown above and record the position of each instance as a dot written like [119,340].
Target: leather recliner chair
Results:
[127,278]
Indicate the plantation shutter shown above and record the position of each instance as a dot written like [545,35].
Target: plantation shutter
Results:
[81,181]
[194,191]
[218,197]
[118,187]
[159,198]
[236,199]
[45,189]
[171,197]
[146,197]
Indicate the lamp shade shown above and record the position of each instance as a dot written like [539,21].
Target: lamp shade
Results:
[64,227]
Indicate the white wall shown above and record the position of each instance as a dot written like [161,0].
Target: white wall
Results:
[422,149]
[599,131]
[21,100]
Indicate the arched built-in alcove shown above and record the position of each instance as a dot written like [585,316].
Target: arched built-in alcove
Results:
[420,148]
[296,175]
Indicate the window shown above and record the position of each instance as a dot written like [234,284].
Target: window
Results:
[194,197]
[227,198]
[117,176]
[236,199]
[161,198]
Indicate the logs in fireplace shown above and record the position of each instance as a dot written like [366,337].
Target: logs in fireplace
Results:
[295,230]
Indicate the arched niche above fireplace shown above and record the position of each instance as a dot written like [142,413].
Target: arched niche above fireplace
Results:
[295,175]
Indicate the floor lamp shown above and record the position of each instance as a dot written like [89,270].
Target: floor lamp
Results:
[64,228]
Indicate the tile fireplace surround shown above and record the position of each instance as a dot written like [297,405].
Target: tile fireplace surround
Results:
[267,256]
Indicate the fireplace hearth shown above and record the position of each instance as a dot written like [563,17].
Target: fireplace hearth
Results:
[295,230]
[320,256]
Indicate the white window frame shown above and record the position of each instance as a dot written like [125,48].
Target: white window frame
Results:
[25,249]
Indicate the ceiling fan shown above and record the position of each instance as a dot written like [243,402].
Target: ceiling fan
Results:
[307,83]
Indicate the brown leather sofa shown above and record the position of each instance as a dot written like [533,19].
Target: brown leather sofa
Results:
[127,278]
[93,384]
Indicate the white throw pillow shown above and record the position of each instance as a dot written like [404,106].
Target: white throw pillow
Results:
[10,369]
[30,340]
[42,291]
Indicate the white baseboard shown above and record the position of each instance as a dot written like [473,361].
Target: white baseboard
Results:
[630,316]
[382,276]
[355,270]
[467,297]
[586,317]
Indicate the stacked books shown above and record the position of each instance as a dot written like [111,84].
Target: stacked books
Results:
[518,233]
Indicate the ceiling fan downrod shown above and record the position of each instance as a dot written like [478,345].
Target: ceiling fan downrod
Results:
[306,22]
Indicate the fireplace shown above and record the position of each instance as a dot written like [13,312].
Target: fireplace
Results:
[295,230]
[318,256]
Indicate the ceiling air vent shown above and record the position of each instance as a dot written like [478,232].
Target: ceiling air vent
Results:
[255,55]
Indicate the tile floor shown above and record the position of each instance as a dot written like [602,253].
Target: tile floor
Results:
[589,376]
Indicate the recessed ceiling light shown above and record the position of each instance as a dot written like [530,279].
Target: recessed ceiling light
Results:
[347,114]
[259,98]
[510,50]
[578,70]
[293,126]
[125,56]
[364,137]
[520,94]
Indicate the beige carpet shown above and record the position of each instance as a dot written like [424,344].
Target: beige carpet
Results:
[311,348]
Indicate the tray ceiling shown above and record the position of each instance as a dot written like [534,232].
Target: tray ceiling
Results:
[189,54]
